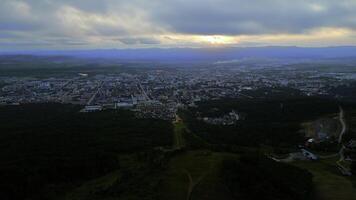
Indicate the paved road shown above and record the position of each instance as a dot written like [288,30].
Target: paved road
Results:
[96,93]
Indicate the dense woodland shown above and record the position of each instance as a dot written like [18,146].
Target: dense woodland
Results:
[346,92]
[48,144]
[270,122]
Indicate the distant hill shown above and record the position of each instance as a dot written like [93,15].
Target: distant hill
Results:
[202,54]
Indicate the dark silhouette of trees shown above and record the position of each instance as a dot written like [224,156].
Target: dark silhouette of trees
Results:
[46,144]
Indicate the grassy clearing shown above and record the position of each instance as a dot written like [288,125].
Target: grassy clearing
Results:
[179,128]
[88,190]
[200,165]
[329,184]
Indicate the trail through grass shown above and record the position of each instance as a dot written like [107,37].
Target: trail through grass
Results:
[329,183]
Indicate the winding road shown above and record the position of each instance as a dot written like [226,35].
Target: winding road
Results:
[343,169]
[343,124]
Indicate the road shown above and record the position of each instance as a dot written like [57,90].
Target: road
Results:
[143,90]
[343,124]
[344,170]
[96,93]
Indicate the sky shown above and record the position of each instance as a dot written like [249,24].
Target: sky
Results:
[104,24]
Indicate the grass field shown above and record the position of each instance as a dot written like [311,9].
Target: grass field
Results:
[88,190]
[178,141]
[202,167]
[329,184]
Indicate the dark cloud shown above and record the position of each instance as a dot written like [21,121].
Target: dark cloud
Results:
[138,41]
[24,44]
[140,22]
[10,26]
[66,41]
[255,16]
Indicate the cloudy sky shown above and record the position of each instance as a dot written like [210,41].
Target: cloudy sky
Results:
[88,24]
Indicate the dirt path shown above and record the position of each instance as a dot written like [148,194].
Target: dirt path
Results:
[192,184]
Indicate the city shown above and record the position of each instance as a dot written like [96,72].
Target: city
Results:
[158,93]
